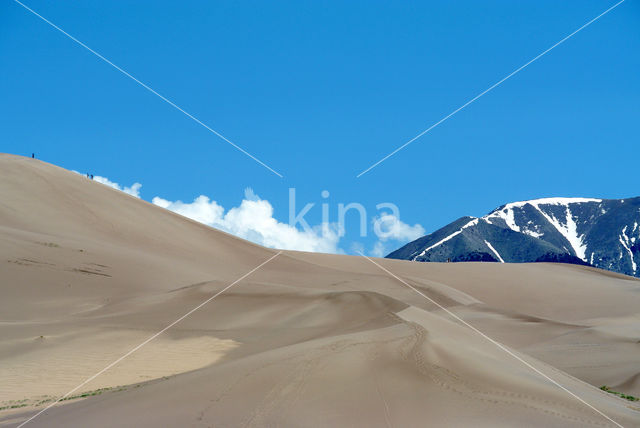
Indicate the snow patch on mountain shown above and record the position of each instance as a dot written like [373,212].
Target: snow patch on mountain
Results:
[505,214]
[568,230]
[533,233]
[494,251]
[442,241]
[565,226]
[627,242]
[552,201]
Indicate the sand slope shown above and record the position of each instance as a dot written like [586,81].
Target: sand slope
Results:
[87,273]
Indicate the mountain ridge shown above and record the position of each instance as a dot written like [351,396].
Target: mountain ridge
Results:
[604,233]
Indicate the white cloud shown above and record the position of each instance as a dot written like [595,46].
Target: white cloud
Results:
[389,227]
[134,190]
[201,209]
[379,250]
[253,220]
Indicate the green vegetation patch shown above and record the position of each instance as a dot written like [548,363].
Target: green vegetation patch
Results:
[619,394]
[13,406]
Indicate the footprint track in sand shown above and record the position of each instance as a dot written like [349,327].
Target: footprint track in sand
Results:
[449,380]
[289,389]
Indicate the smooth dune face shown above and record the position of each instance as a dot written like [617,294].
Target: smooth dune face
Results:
[88,273]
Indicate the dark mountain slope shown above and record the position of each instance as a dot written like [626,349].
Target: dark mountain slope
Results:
[601,232]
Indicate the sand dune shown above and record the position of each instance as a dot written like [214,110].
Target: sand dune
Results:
[88,273]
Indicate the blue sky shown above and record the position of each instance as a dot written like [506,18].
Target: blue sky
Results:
[321,90]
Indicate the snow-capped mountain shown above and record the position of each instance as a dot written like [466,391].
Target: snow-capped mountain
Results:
[604,233]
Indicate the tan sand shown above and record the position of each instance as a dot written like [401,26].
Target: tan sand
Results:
[88,272]
[50,372]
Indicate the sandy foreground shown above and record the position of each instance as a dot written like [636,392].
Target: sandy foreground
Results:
[87,273]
